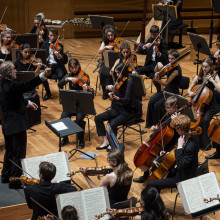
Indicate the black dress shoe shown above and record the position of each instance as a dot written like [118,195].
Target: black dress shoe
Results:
[141,179]
[47,96]
[101,148]
[81,144]
[64,141]
[104,96]
[216,155]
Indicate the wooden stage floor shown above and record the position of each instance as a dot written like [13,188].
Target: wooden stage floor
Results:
[45,141]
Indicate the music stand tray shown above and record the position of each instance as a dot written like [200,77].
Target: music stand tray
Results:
[65,127]
[98,22]
[160,12]
[110,56]
[216,5]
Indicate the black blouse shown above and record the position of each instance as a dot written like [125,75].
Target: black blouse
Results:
[5,56]
[19,66]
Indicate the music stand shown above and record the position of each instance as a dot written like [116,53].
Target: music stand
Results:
[181,101]
[110,56]
[139,87]
[200,45]
[98,22]
[31,38]
[77,102]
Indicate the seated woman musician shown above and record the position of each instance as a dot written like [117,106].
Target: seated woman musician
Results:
[24,61]
[75,84]
[40,29]
[45,192]
[171,107]
[186,155]
[155,110]
[109,42]
[119,181]
[154,208]
[5,50]
[129,59]
[206,73]
[69,213]
[123,108]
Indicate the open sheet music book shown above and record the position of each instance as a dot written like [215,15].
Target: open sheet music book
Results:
[193,192]
[59,159]
[88,203]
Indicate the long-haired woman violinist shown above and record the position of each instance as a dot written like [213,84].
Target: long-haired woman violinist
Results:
[213,82]
[119,181]
[5,52]
[109,42]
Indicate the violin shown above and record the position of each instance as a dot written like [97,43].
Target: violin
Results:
[168,162]
[44,218]
[147,152]
[116,44]
[214,131]
[121,212]
[35,61]
[93,171]
[131,62]
[12,45]
[25,180]
[40,32]
[205,200]
[56,47]
[83,79]
[5,27]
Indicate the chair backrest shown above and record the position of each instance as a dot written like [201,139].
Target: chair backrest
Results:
[126,203]
[184,83]
[202,168]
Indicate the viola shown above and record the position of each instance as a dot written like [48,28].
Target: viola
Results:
[83,79]
[116,44]
[94,171]
[35,61]
[159,138]
[12,45]
[25,180]
[214,131]
[5,27]
[168,162]
[131,62]
[56,47]
[121,212]
[40,32]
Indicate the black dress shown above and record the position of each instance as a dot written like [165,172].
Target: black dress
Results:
[19,66]
[6,57]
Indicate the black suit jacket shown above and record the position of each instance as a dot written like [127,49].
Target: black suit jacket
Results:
[61,62]
[187,159]
[14,115]
[162,48]
[44,193]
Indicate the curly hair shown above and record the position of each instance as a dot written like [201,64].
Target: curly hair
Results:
[6,69]
[181,122]
[108,28]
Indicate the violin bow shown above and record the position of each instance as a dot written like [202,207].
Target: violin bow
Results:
[32,59]
[124,28]
[3,14]
[21,168]
[45,209]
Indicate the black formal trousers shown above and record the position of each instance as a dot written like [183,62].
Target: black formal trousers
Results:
[115,118]
[15,150]
[155,110]
[79,120]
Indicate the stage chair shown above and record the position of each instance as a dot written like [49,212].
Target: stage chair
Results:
[184,83]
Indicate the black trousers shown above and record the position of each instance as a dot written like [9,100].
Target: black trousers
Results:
[57,72]
[148,70]
[15,150]
[155,110]
[115,118]
[79,120]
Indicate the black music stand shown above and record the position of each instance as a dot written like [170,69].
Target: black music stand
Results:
[110,57]
[98,22]
[139,87]
[30,38]
[200,45]
[77,102]
[67,127]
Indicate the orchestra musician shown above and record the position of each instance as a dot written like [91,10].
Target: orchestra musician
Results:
[40,29]
[73,80]
[186,155]
[124,105]
[45,192]
[14,118]
[109,34]
[157,55]
[154,208]
[117,182]
[56,59]
[206,71]
[69,213]
[5,54]
[24,62]
[171,107]
[155,110]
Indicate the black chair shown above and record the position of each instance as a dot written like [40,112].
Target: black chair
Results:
[202,168]
[180,34]
[184,83]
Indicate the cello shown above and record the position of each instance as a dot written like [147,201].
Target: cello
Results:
[214,131]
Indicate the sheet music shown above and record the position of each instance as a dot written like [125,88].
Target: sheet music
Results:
[59,126]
